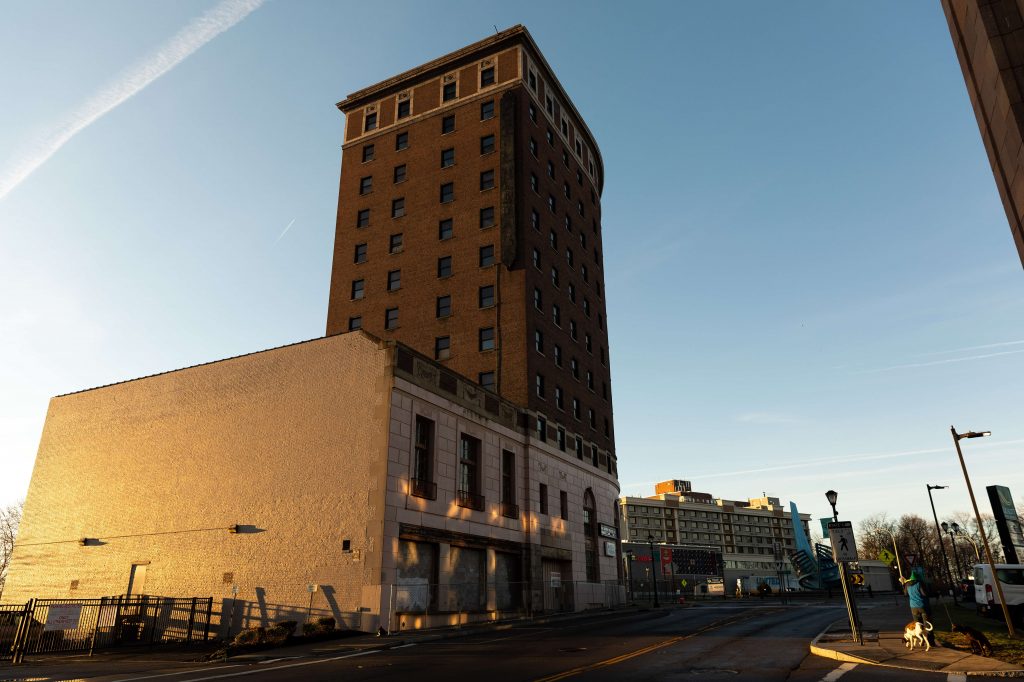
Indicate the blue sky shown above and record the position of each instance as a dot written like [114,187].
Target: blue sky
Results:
[809,273]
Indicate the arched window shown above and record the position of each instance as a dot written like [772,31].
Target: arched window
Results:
[590,535]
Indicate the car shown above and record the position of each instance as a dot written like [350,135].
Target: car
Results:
[1011,580]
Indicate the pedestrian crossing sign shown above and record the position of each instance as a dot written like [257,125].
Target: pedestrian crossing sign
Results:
[844,547]
[886,556]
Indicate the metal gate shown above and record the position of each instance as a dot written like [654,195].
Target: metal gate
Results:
[70,625]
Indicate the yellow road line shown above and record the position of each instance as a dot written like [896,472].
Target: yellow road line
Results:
[646,650]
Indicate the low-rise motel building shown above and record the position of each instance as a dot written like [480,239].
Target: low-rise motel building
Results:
[343,476]
[722,539]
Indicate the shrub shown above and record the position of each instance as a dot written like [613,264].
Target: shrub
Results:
[325,623]
[290,626]
[256,635]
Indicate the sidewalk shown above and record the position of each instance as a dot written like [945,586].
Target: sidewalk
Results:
[170,657]
[883,624]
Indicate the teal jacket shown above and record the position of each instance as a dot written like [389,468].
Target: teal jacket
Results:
[918,598]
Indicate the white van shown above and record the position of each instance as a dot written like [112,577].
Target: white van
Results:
[1011,580]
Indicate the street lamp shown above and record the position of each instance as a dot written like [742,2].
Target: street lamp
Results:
[650,541]
[946,528]
[977,517]
[959,531]
[942,545]
[851,608]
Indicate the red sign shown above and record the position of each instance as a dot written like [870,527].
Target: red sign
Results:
[666,557]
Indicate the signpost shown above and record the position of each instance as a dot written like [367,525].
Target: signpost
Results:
[844,549]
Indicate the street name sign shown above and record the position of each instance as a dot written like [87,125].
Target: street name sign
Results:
[844,547]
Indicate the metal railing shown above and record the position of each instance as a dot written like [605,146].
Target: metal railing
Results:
[71,625]
[419,487]
[464,498]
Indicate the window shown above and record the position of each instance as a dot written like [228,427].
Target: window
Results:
[399,174]
[395,243]
[579,448]
[594,458]
[536,259]
[448,92]
[423,458]
[444,266]
[538,340]
[367,153]
[533,147]
[554,277]
[508,484]
[565,159]
[357,289]
[469,473]
[553,239]
[486,76]
[559,398]
[487,179]
[539,385]
[583,240]
[572,292]
[535,219]
[533,182]
[551,170]
[588,343]
[487,110]
[558,354]
[542,497]
[590,380]
[486,217]
[404,108]
[565,128]
[574,367]
[532,79]
[607,428]
[549,105]
[391,318]
[487,144]
[448,124]
[569,257]
[551,137]
[398,207]
[370,122]
[366,184]
[532,110]
[355,323]
[600,321]
[563,502]
[394,280]
[590,418]
[447,157]
[551,203]
[442,347]
[556,315]
[363,217]
[561,439]
[576,412]
[538,300]
[572,329]
[583,272]
[579,181]
[586,306]
[568,224]
[447,192]
[444,306]
[444,229]
[486,380]
[401,141]
[360,255]
[565,190]
[486,296]
[486,338]
[486,255]
[590,536]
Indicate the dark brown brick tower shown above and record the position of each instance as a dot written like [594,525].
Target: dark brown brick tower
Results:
[989,39]
[469,227]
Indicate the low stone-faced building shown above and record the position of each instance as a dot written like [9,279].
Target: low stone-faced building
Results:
[343,476]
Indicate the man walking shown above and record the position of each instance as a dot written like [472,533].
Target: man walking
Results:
[920,606]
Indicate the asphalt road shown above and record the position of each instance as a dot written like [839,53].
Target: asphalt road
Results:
[739,642]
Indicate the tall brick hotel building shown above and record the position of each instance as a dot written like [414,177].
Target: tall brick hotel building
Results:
[469,227]
[444,454]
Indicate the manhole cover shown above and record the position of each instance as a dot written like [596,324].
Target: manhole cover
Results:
[573,649]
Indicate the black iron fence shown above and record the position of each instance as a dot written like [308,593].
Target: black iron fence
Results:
[75,625]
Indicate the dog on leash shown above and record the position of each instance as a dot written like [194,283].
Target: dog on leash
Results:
[916,633]
[980,646]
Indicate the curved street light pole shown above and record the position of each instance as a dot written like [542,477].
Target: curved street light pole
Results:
[942,544]
[960,532]
[981,528]
[899,567]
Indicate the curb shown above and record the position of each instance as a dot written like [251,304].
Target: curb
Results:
[850,658]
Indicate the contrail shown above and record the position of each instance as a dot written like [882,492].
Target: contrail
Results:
[285,230]
[940,362]
[189,39]
[984,347]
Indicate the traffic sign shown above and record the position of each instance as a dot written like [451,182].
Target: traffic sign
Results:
[844,547]
[858,578]
[886,556]
[910,559]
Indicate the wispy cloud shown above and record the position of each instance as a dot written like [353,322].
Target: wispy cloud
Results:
[197,33]
[767,418]
[947,361]
[285,231]
[1001,344]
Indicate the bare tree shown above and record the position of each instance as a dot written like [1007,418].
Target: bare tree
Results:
[10,519]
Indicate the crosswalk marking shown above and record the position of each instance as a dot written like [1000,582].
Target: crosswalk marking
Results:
[839,672]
